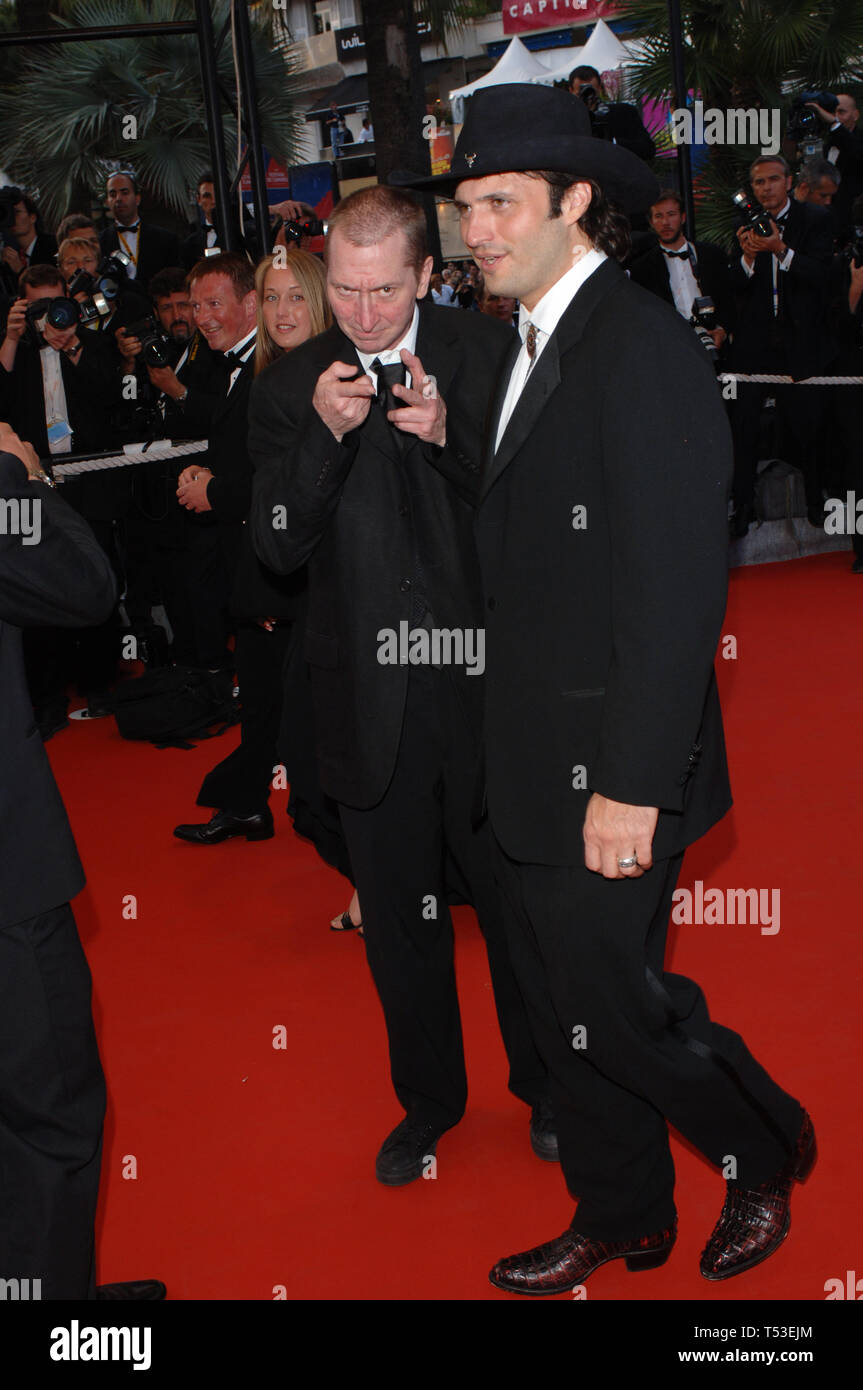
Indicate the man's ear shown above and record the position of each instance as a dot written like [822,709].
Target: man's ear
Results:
[576,201]
[425,277]
[250,306]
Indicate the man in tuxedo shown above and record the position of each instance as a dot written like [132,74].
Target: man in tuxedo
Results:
[782,284]
[366,444]
[603,554]
[26,245]
[817,182]
[205,236]
[843,147]
[680,271]
[52,1090]
[216,493]
[149,248]
[611,120]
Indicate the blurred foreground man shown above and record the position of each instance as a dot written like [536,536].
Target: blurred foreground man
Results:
[52,1091]
[366,442]
[603,549]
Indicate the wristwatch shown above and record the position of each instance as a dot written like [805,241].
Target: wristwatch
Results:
[42,477]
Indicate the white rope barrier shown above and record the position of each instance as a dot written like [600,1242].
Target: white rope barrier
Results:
[132,453]
[768,380]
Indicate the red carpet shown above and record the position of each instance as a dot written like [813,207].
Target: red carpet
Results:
[255,1165]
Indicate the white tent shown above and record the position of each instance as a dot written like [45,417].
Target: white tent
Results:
[603,51]
[517,63]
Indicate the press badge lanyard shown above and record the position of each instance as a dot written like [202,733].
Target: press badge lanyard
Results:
[126,247]
[56,409]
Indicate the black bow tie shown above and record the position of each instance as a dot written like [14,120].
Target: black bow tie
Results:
[677,255]
[394,374]
[128,229]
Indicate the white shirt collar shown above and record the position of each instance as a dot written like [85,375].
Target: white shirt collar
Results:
[549,311]
[238,350]
[28,250]
[782,211]
[393,354]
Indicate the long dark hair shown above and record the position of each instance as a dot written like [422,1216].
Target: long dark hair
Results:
[602,221]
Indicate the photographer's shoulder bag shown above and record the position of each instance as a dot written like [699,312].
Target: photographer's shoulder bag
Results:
[172,705]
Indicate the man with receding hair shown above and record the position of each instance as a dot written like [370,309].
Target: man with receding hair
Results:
[366,443]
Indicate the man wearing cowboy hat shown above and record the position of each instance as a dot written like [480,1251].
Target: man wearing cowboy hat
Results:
[602,539]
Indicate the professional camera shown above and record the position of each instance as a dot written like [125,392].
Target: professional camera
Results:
[753,216]
[854,250]
[597,107]
[703,320]
[9,198]
[295,231]
[108,279]
[154,343]
[59,312]
[803,122]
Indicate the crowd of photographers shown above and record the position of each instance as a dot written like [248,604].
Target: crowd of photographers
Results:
[100,346]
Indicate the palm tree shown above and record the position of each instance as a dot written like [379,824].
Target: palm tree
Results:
[65,118]
[744,53]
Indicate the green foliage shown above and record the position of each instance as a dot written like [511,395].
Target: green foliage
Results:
[745,53]
[62,117]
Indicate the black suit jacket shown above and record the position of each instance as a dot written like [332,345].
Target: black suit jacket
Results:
[359,512]
[157,249]
[64,580]
[849,143]
[44,250]
[711,272]
[602,625]
[800,341]
[626,128]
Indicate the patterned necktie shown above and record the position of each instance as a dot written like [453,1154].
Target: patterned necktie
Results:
[530,341]
[394,374]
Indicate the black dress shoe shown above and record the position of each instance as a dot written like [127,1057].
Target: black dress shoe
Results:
[139,1290]
[755,1220]
[51,723]
[857,567]
[543,1133]
[223,825]
[740,521]
[405,1153]
[561,1264]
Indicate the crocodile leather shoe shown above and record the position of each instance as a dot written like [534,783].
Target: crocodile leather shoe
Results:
[405,1153]
[223,825]
[755,1220]
[560,1265]
[543,1134]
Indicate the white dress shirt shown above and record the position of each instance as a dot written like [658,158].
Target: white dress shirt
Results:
[128,242]
[545,317]
[56,409]
[778,265]
[409,341]
[240,352]
[681,278]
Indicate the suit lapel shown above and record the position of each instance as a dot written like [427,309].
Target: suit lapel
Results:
[545,376]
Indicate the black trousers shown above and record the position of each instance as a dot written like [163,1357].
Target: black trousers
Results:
[398,851]
[588,953]
[798,413]
[240,783]
[52,1106]
[847,403]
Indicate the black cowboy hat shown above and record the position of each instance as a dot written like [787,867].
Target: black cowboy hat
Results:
[521,125]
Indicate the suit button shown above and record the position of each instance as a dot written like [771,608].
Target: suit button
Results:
[492,604]
[405,585]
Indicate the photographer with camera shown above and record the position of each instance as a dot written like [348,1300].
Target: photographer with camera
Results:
[782,280]
[843,146]
[846,402]
[183,381]
[98,284]
[56,389]
[691,275]
[617,121]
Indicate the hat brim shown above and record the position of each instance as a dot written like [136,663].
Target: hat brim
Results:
[623,177]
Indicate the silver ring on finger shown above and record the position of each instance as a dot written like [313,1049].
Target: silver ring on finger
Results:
[630,863]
